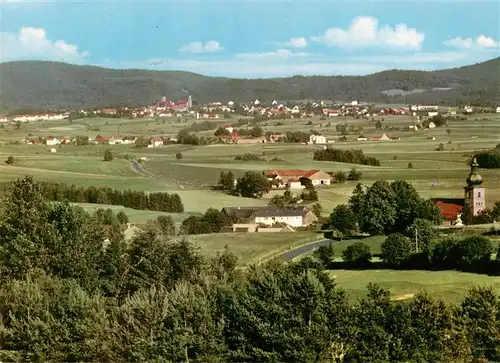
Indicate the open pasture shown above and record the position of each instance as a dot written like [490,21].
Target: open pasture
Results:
[434,173]
[450,286]
[252,247]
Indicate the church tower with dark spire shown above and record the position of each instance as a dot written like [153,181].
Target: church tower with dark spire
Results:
[475,199]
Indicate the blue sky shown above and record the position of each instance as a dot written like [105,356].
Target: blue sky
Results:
[253,39]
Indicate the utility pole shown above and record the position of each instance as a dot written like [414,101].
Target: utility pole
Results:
[416,240]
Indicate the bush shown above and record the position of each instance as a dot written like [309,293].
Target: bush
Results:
[475,250]
[340,177]
[122,217]
[354,175]
[166,225]
[396,249]
[179,156]
[10,160]
[108,155]
[410,165]
[325,255]
[357,253]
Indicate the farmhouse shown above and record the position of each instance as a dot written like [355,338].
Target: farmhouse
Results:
[297,179]
[473,203]
[129,139]
[317,139]
[269,216]
[51,141]
[155,141]
[109,111]
[384,137]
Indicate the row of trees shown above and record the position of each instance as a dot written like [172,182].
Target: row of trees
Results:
[345,156]
[382,209]
[66,298]
[250,185]
[158,201]
[489,159]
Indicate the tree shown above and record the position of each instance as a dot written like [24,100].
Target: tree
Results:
[10,160]
[396,249]
[252,185]
[226,181]
[325,254]
[178,156]
[354,175]
[122,217]
[340,176]
[480,311]
[424,232]
[108,155]
[475,250]
[343,220]
[378,125]
[448,131]
[358,253]
[166,225]
[317,209]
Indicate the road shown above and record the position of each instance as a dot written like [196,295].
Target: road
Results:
[304,249]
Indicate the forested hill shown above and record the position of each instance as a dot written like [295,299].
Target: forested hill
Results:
[49,84]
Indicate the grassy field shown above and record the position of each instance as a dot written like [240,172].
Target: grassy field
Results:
[434,173]
[252,247]
[448,285]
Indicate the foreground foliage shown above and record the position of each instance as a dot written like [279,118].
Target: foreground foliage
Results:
[64,296]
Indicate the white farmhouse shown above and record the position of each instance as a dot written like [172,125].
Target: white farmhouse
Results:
[317,139]
[51,141]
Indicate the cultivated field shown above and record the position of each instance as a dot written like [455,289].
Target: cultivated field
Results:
[434,173]
[253,247]
[447,285]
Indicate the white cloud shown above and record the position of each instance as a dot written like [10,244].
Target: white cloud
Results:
[211,46]
[32,43]
[481,42]
[280,54]
[364,31]
[283,64]
[300,42]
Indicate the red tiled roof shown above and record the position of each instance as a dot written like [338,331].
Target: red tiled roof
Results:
[449,210]
[291,173]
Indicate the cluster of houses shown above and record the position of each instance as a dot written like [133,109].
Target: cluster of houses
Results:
[155,141]
[268,219]
[297,179]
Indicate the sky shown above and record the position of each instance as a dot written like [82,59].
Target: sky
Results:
[252,39]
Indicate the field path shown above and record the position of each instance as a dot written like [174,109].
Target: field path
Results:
[289,255]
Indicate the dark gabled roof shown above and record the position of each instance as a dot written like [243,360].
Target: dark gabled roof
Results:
[291,212]
[245,212]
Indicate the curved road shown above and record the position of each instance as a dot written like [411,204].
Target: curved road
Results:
[304,249]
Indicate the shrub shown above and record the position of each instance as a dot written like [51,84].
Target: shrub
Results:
[357,253]
[396,249]
[179,156]
[410,165]
[108,155]
[122,217]
[354,175]
[340,176]
[325,254]
[10,160]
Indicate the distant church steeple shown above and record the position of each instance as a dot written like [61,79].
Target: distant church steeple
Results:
[475,198]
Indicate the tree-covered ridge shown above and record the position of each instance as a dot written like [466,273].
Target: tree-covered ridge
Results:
[66,296]
[38,84]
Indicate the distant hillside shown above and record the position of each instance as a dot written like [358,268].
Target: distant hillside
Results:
[49,84]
